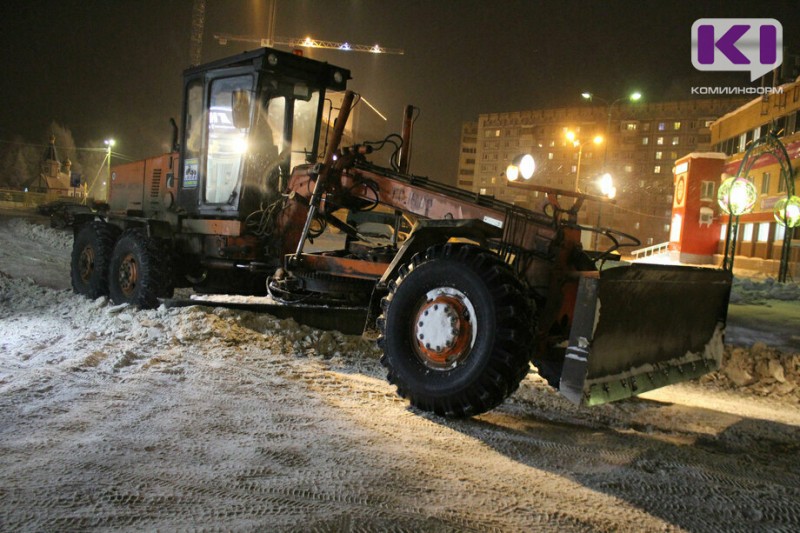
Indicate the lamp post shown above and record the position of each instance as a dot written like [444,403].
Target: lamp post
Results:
[607,189]
[109,143]
[633,97]
[579,145]
[736,196]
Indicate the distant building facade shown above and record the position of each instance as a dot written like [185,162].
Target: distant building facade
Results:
[641,143]
[760,238]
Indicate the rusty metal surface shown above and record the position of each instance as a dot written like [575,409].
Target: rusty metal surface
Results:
[212,227]
[341,266]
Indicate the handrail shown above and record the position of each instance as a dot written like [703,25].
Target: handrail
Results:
[651,250]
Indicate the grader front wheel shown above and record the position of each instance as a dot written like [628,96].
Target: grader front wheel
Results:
[455,331]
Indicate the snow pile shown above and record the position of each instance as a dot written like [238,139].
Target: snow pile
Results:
[47,237]
[760,370]
[750,291]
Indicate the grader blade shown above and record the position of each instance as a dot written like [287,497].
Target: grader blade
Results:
[641,327]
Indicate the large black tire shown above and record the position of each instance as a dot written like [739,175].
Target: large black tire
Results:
[478,324]
[91,253]
[139,270]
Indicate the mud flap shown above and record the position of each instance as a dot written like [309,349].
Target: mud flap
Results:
[641,327]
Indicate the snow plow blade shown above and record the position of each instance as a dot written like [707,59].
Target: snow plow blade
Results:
[640,327]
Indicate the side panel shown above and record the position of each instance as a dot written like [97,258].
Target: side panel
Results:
[126,192]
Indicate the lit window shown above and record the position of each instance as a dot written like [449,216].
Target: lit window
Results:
[676,141]
[673,155]
[781,185]
[645,141]
[723,232]
[630,126]
[659,155]
[765,183]
[763,232]
[780,231]
[550,155]
[628,168]
[666,228]
[659,140]
[662,126]
[657,169]
[676,125]
[747,234]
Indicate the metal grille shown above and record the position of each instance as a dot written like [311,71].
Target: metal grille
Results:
[155,183]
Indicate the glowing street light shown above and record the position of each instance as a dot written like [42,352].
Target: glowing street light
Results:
[737,196]
[522,165]
[787,211]
[109,143]
[571,137]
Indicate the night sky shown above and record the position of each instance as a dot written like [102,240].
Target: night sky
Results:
[112,68]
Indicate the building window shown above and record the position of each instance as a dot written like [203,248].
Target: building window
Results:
[747,234]
[630,126]
[470,161]
[708,123]
[659,141]
[629,168]
[763,232]
[673,155]
[666,228]
[781,186]
[765,183]
[491,133]
[780,232]
[573,169]
[723,232]
[676,141]
[657,169]
[706,190]
[550,155]
[645,141]
[662,126]
[645,126]
[659,155]
[676,125]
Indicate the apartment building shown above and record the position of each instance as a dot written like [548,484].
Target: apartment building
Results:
[640,143]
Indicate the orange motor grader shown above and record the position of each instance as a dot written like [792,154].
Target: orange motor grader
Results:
[465,298]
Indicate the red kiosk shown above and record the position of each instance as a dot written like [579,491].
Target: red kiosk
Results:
[696,224]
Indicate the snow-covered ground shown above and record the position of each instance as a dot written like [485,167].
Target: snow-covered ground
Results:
[210,419]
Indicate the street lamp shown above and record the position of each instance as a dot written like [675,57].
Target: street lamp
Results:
[633,97]
[579,145]
[736,196]
[109,143]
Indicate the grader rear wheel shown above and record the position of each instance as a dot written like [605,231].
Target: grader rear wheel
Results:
[455,331]
[91,252]
[139,270]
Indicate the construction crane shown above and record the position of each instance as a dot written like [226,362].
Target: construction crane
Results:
[308,42]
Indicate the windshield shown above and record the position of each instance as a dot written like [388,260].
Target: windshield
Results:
[226,143]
